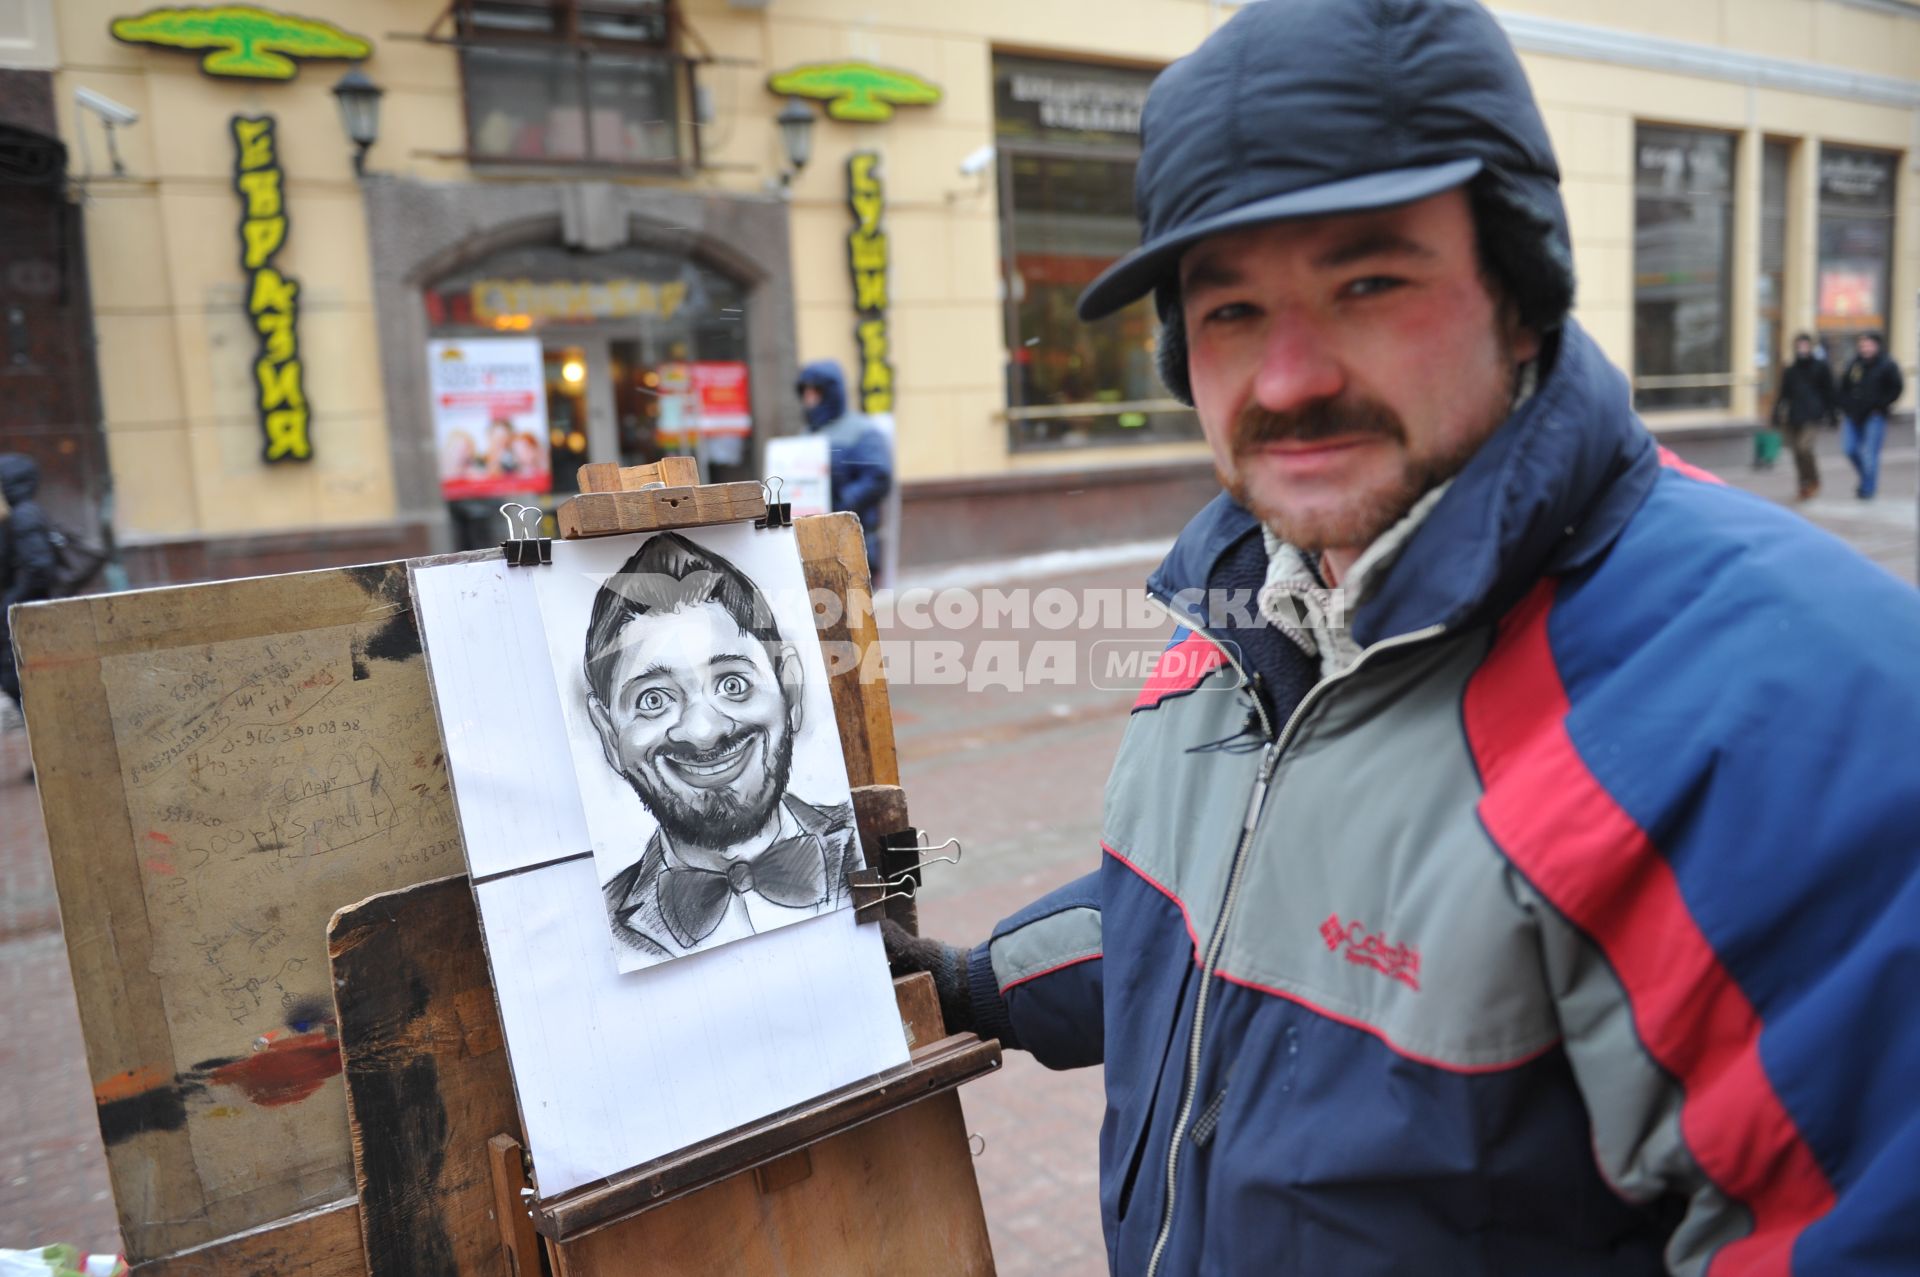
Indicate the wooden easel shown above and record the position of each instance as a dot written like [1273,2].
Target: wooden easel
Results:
[874,1178]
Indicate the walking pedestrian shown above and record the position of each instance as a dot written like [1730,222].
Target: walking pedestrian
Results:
[860,460]
[1805,401]
[1524,889]
[1870,388]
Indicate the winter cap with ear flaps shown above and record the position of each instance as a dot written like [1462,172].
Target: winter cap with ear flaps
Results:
[1299,108]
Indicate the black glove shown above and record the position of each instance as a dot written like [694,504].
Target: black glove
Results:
[908,953]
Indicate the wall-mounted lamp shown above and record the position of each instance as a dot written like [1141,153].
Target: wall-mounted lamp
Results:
[359,100]
[796,136]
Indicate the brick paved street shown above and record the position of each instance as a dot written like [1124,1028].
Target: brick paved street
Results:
[1018,777]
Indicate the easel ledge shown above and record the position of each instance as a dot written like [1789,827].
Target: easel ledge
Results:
[938,1066]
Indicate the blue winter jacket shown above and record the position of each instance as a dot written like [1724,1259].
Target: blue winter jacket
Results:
[860,459]
[1573,930]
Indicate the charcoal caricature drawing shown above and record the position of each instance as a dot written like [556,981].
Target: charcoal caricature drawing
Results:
[698,701]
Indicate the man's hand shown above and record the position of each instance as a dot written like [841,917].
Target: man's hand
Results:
[908,953]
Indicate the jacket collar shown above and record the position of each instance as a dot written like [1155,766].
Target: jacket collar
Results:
[1546,494]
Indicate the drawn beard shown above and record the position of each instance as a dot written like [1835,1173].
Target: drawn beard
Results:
[717,817]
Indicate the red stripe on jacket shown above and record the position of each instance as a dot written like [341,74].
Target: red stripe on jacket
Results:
[1587,856]
[1673,461]
[1180,669]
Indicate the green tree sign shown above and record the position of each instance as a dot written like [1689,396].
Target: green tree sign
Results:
[856,91]
[241,40]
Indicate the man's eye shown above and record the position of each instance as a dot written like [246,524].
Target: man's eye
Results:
[652,701]
[733,686]
[1228,313]
[1371,286]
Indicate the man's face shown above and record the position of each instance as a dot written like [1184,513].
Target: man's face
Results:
[1342,366]
[1868,348]
[809,397]
[697,718]
[1802,348]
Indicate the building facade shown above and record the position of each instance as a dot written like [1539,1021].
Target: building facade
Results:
[580,236]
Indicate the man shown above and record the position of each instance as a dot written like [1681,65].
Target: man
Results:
[697,701]
[860,460]
[1513,902]
[1867,393]
[1805,400]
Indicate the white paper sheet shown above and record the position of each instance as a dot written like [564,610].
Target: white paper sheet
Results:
[612,1069]
[506,742]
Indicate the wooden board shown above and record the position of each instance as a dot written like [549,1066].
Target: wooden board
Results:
[600,514]
[834,553]
[879,810]
[325,1243]
[897,1195]
[221,767]
[427,1079]
[611,476]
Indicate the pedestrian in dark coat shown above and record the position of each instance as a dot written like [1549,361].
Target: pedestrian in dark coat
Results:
[27,565]
[1869,389]
[1806,399]
[859,457]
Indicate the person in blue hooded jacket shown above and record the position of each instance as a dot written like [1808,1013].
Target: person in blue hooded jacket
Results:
[860,457]
[1529,882]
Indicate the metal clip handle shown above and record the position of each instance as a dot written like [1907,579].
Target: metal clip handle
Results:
[523,521]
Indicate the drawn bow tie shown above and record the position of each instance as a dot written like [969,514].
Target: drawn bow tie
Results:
[792,872]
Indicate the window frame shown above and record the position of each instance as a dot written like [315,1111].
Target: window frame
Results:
[1718,385]
[1019,415]
[563,39]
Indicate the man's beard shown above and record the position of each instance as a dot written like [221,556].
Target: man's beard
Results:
[1368,513]
[718,817]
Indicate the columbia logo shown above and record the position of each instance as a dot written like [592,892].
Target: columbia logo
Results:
[1395,961]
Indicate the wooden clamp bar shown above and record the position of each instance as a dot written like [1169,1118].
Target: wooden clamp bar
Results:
[937,1067]
[615,499]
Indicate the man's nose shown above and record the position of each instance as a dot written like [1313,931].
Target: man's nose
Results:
[1298,366]
[702,725]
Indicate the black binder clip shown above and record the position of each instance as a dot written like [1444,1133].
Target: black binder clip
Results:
[898,876]
[871,890]
[524,546]
[779,513]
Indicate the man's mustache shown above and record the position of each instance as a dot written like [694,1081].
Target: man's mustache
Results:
[1322,419]
[712,754]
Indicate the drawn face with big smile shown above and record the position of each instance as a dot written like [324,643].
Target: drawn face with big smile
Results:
[700,721]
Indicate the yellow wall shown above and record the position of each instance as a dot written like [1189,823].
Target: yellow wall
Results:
[175,349]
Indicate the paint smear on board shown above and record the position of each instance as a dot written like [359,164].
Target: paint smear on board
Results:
[282,1070]
[286,1071]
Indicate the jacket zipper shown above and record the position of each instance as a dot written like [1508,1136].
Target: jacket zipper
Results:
[1269,760]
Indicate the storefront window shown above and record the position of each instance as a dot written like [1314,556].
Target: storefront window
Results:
[1068,139]
[645,351]
[1683,258]
[1853,292]
[1769,341]
[588,82]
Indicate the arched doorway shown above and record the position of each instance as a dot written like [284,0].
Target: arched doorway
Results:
[631,343]
[646,310]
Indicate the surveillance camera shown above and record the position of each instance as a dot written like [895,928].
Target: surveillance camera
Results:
[976,162]
[105,107]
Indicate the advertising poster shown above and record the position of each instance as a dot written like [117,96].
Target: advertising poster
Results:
[489,416]
[800,462]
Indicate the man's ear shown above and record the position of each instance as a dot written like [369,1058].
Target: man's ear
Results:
[603,726]
[792,685]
